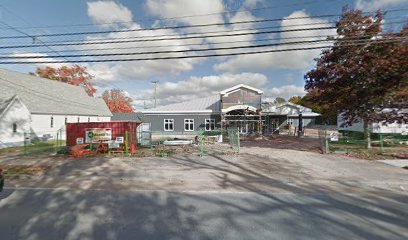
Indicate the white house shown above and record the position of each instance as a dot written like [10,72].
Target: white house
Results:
[40,107]
[376,127]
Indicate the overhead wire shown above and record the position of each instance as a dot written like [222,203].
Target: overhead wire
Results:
[198,44]
[202,33]
[184,57]
[177,17]
[197,50]
[43,43]
[184,26]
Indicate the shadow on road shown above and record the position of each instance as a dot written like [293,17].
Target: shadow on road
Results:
[306,211]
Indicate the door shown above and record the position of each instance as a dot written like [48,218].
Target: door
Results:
[144,134]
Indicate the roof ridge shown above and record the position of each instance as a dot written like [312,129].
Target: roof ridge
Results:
[43,78]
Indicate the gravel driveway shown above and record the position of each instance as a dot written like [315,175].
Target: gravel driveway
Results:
[256,169]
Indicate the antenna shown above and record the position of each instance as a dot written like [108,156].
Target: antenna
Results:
[155,92]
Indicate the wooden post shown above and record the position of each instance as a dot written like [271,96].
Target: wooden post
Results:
[126,143]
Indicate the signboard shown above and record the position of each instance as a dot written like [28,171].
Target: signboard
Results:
[80,141]
[120,140]
[98,134]
[334,137]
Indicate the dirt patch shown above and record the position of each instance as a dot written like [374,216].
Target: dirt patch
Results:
[284,142]
[30,170]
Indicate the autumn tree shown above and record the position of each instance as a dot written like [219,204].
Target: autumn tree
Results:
[75,75]
[364,75]
[117,101]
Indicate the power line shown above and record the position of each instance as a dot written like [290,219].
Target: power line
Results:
[172,18]
[185,57]
[167,39]
[44,44]
[200,44]
[202,33]
[34,39]
[196,50]
[185,26]
[176,38]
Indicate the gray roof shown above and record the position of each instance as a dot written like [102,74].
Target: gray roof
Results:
[5,102]
[207,104]
[42,95]
[128,117]
[287,108]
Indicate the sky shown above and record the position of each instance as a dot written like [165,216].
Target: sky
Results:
[278,74]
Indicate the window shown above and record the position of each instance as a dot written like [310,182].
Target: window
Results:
[52,122]
[209,124]
[168,124]
[14,127]
[189,125]
[290,121]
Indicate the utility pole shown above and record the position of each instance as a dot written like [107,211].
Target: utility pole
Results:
[155,92]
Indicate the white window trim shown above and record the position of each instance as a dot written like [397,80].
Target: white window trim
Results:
[185,121]
[290,121]
[211,121]
[164,125]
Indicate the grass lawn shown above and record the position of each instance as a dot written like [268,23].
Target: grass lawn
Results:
[359,150]
[35,147]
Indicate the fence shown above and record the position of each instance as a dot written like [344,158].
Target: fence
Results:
[83,141]
[349,141]
[42,143]
[225,141]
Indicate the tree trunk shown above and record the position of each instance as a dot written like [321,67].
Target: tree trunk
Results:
[367,135]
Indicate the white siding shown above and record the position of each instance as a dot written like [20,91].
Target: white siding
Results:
[376,127]
[41,123]
[18,114]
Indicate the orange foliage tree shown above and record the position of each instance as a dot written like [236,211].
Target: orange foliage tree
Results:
[117,101]
[75,75]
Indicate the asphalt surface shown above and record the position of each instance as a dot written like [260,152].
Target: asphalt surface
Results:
[65,214]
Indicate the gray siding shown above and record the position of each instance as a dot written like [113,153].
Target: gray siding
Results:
[157,121]
[306,121]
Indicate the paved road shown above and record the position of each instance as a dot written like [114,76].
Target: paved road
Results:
[66,214]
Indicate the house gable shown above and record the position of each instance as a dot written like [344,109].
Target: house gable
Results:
[241,95]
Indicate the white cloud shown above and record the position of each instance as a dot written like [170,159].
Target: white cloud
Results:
[136,70]
[181,8]
[108,12]
[198,87]
[285,92]
[371,5]
[205,12]
[283,60]
[37,61]
[141,70]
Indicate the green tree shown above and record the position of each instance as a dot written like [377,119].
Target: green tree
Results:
[280,100]
[296,100]
[364,73]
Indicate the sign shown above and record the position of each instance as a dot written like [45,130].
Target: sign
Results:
[80,141]
[98,134]
[120,140]
[334,137]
